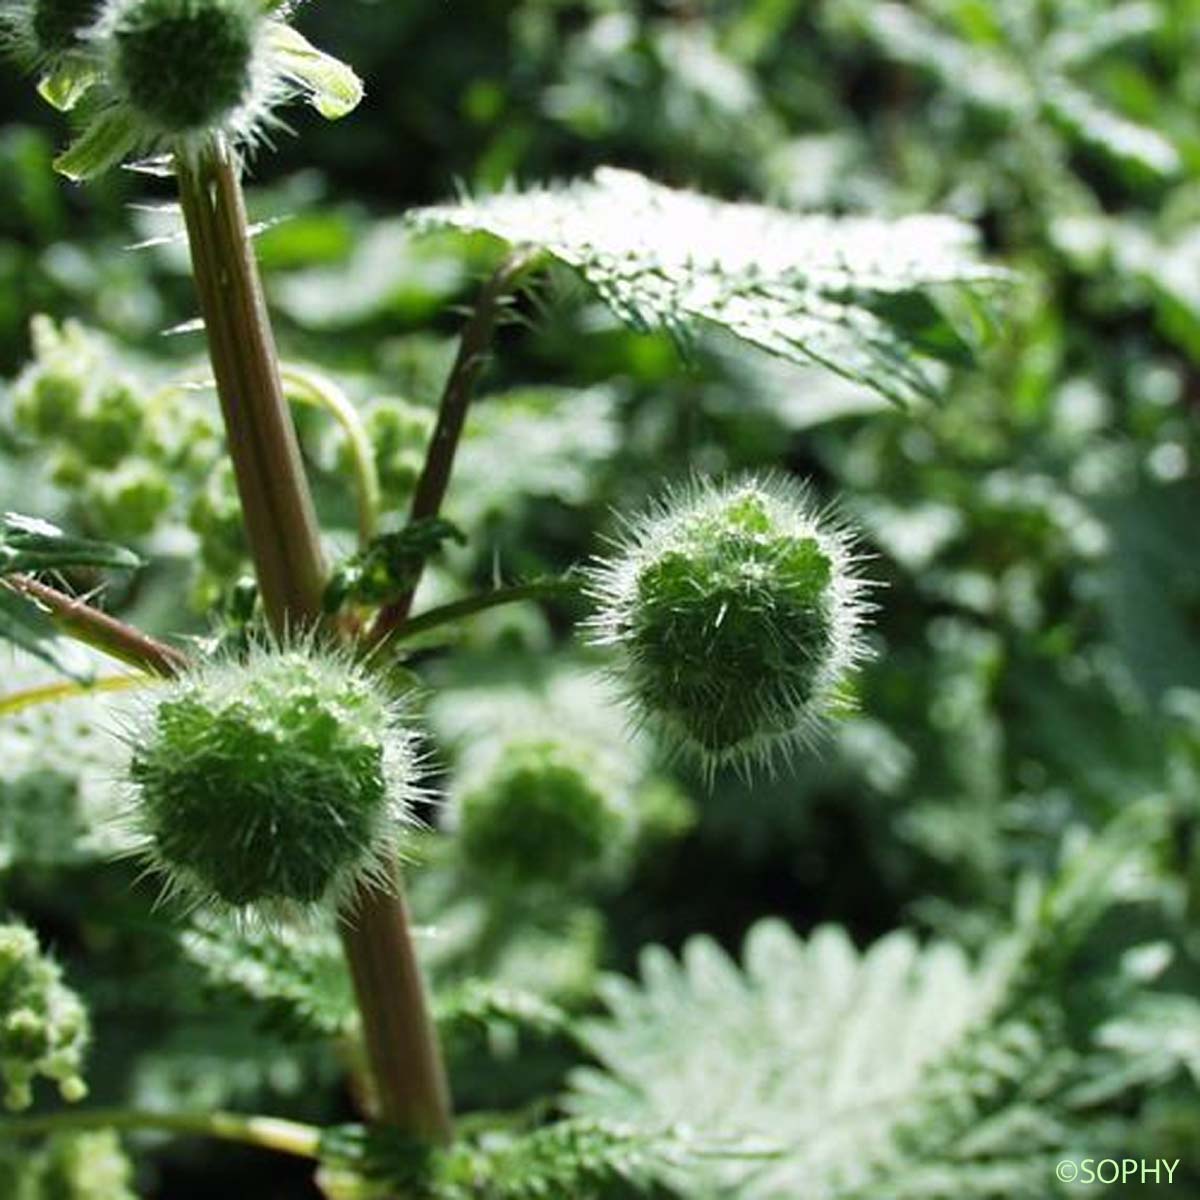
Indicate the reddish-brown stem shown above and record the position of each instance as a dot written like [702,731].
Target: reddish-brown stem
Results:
[281,525]
[473,350]
[402,1049]
[88,624]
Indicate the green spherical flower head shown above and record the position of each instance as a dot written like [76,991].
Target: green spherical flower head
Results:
[184,65]
[540,812]
[58,25]
[738,616]
[285,778]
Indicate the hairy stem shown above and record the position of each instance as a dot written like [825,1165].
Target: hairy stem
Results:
[473,350]
[268,1133]
[402,1049]
[97,629]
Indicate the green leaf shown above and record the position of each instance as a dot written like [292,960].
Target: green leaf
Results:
[67,84]
[807,288]
[30,544]
[902,1070]
[111,136]
[332,88]
[1110,133]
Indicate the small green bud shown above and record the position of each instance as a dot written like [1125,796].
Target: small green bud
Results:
[540,811]
[284,778]
[738,617]
[108,426]
[130,501]
[185,65]
[86,1166]
[399,432]
[215,517]
[47,399]
[43,1025]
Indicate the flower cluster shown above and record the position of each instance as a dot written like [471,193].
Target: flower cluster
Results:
[284,778]
[170,76]
[737,613]
[43,1026]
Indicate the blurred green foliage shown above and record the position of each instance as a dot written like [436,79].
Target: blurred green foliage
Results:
[1037,650]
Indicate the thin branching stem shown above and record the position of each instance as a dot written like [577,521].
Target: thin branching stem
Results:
[85,623]
[313,387]
[473,350]
[51,693]
[456,610]
[267,1133]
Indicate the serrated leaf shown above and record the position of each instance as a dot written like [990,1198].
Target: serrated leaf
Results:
[31,544]
[901,1070]
[807,288]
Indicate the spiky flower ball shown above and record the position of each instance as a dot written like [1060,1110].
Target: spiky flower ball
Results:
[185,65]
[737,613]
[282,779]
[541,809]
[174,77]
[43,1026]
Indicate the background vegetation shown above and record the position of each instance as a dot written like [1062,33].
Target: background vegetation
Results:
[1035,693]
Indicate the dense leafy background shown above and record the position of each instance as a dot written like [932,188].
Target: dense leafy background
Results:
[1038,656]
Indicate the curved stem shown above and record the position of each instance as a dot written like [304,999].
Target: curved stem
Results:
[456,610]
[473,350]
[15,702]
[312,387]
[97,629]
[267,1133]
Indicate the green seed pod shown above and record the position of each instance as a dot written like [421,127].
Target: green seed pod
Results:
[185,65]
[738,616]
[282,779]
[43,1025]
[540,810]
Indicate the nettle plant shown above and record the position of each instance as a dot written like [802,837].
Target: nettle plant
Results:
[279,773]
